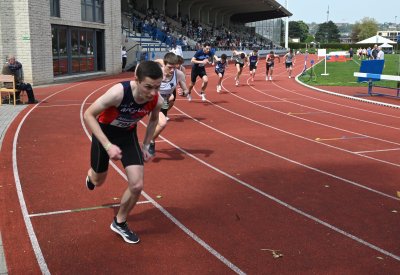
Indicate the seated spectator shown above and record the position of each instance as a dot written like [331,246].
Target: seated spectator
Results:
[13,67]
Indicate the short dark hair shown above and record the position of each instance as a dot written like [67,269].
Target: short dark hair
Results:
[180,60]
[170,58]
[148,69]
[242,55]
[224,56]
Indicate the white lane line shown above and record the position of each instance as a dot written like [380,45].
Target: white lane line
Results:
[59,105]
[309,216]
[180,225]
[290,160]
[375,151]
[302,137]
[28,224]
[80,209]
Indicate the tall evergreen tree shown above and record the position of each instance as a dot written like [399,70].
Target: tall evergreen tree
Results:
[327,33]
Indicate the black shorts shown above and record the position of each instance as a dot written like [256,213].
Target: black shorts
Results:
[197,71]
[219,72]
[288,64]
[164,111]
[252,67]
[240,64]
[271,65]
[126,140]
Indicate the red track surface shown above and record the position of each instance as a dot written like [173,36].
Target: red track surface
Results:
[261,167]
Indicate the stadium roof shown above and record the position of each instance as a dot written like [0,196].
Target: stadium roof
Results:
[243,11]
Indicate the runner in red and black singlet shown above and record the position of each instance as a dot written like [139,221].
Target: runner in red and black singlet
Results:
[113,118]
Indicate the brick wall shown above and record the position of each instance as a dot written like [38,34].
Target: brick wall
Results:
[25,31]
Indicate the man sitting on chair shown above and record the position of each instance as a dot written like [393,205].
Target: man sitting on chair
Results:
[13,67]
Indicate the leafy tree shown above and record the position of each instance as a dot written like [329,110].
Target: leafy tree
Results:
[298,29]
[364,29]
[327,33]
[310,38]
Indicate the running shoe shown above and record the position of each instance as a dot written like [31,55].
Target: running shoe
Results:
[89,184]
[128,235]
[152,148]
[270,78]
[189,97]
[203,97]
[218,88]
[237,83]
[266,78]
[290,76]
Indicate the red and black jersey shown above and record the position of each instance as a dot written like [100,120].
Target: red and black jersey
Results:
[128,113]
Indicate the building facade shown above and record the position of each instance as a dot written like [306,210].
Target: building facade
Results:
[54,39]
[269,29]
[390,34]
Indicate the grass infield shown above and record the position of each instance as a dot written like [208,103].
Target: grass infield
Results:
[341,73]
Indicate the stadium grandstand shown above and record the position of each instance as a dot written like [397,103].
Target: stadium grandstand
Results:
[76,39]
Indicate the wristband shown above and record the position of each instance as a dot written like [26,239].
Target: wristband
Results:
[146,146]
[107,147]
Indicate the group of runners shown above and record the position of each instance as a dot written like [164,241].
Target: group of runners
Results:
[113,117]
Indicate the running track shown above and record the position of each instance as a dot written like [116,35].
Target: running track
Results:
[263,169]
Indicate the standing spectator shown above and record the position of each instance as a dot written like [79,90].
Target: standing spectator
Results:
[124,57]
[374,52]
[13,67]
[381,54]
[113,118]
[351,53]
[176,49]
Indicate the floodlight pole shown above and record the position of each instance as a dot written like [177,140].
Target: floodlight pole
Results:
[287,28]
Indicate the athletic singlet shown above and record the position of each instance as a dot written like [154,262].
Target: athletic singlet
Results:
[128,113]
[200,55]
[168,86]
[289,58]
[239,60]
[253,58]
[220,67]
[270,59]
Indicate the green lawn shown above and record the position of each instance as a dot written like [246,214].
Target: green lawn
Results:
[341,73]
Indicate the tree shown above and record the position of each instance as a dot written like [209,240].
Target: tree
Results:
[327,33]
[298,29]
[364,29]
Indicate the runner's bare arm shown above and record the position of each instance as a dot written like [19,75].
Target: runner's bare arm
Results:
[182,82]
[112,97]
[151,127]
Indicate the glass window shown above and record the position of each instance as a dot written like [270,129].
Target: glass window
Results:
[92,10]
[99,12]
[89,51]
[59,48]
[55,8]
[76,50]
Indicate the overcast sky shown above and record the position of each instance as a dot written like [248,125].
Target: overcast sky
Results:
[343,11]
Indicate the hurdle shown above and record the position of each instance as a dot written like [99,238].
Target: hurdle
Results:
[370,77]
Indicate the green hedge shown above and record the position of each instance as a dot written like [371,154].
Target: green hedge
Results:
[329,47]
